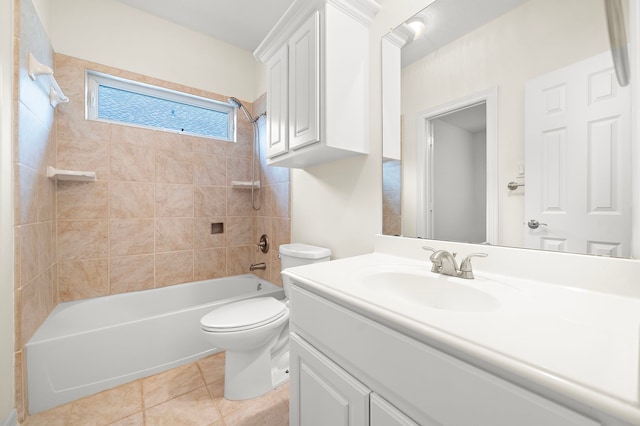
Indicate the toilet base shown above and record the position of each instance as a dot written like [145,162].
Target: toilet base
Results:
[250,375]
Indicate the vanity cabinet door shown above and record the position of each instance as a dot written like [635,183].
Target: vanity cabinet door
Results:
[277,101]
[322,393]
[384,414]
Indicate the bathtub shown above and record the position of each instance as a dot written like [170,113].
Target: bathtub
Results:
[90,345]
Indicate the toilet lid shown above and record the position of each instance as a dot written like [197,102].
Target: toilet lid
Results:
[243,315]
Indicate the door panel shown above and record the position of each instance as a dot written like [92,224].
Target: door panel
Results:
[577,153]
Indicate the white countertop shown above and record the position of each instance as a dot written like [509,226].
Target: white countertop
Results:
[579,343]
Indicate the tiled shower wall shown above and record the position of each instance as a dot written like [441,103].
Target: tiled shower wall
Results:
[146,221]
[34,196]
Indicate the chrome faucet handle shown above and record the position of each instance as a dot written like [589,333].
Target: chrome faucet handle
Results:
[436,264]
[466,270]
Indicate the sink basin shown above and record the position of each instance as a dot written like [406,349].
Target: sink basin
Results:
[430,290]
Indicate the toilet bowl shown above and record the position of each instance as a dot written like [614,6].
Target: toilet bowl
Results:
[255,332]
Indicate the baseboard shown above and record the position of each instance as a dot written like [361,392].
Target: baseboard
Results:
[12,420]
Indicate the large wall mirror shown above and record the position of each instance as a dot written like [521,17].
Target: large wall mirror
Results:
[509,122]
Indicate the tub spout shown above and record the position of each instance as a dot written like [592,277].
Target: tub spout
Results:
[255,266]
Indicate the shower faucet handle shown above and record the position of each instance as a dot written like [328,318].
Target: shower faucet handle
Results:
[263,244]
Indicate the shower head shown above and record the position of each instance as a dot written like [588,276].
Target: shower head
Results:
[236,102]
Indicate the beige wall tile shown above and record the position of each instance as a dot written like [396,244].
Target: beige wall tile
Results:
[131,200]
[131,236]
[76,154]
[20,383]
[173,234]
[239,168]
[209,146]
[239,259]
[26,195]
[239,202]
[83,279]
[82,200]
[174,200]
[210,201]
[174,268]
[71,124]
[83,239]
[131,273]
[132,135]
[37,301]
[242,148]
[209,170]
[46,199]
[208,264]
[169,141]
[29,252]
[34,130]
[174,167]
[70,75]
[240,231]
[131,162]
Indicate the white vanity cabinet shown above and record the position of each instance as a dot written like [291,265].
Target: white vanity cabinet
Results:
[342,360]
[317,66]
[328,395]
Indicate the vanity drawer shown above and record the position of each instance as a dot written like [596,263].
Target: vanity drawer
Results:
[426,384]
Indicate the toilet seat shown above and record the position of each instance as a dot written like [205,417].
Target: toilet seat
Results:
[243,315]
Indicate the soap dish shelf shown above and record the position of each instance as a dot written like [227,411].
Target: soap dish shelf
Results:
[81,176]
[241,184]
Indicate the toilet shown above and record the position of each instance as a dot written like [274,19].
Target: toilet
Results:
[255,332]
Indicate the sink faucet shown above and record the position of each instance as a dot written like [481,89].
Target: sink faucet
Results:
[444,262]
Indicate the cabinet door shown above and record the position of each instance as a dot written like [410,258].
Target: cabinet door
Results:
[322,393]
[385,414]
[304,84]
[277,111]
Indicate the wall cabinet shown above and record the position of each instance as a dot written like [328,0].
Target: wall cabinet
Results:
[346,360]
[317,66]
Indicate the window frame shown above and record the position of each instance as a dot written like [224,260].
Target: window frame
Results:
[94,79]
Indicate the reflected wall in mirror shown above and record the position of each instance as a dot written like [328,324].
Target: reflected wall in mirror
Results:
[551,163]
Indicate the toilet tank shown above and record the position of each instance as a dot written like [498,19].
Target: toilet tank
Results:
[297,254]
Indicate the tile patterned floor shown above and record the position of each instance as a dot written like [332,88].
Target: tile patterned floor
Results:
[187,395]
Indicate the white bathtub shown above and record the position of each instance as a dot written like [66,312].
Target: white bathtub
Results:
[90,345]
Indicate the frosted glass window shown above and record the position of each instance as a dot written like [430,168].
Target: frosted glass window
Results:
[128,102]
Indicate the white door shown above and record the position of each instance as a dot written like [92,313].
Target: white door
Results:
[304,84]
[277,112]
[577,160]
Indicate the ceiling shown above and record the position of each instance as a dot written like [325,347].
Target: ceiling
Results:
[448,20]
[243,23]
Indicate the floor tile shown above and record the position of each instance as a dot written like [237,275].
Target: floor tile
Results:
[134,420]
[54,417]
[260,415]
[175,397]
[212,367]
[170,384]
[107,406]
[194,408]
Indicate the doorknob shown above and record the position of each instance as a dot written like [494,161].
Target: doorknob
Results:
[534,224]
